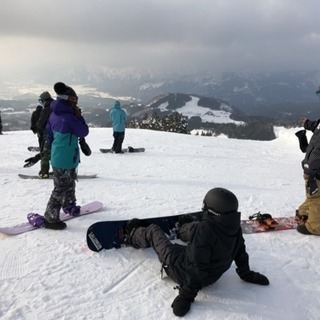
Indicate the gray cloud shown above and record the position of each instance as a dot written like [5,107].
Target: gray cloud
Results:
[211,35]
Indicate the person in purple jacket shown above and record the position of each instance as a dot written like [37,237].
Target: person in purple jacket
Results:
[64,128]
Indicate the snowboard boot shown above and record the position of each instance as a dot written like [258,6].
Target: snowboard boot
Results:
[131,228]
[184,219]
[58,225]
[35,219]
[72,210]
[303,229]
[43,175]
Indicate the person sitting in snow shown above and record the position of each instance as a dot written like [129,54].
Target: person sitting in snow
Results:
[64,128]
[309,211]
[213,244]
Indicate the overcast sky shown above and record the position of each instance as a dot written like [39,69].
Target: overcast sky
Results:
[176,35]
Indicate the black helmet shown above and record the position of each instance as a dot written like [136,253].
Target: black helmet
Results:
[220,201]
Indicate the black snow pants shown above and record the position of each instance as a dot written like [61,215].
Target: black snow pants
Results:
[153,236]
[118,140]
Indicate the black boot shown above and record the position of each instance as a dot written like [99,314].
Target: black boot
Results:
[303,229]
[59,225]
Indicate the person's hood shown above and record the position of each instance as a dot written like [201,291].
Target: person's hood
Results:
[116,105]
[61,106]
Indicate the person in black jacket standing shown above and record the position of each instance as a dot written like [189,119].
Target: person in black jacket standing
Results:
[0,124]
[213,244]
[46,100]
[34,120]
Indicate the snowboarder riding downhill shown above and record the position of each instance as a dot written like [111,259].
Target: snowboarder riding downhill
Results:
[213,244]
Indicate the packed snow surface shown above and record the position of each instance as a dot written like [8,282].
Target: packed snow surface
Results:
[46,274]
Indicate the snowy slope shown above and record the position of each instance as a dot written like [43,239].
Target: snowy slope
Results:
[48,274]
[192,109]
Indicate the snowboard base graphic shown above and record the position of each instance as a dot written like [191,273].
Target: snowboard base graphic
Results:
[283,223]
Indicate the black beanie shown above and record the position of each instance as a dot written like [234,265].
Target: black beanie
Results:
[63,90]
[60,88]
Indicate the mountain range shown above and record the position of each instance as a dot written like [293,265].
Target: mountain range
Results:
[267,94]
[280,95]
[239,88]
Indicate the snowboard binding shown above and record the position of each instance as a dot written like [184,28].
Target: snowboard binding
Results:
[264,219]
[35,219]
[301,218]
[72,210]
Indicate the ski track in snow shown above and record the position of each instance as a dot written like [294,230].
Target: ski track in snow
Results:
[48,274]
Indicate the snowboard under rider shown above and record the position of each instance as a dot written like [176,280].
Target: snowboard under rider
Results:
[64,128]
[212,245]
[309,211]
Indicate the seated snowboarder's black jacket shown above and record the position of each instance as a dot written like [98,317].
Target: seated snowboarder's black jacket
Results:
[214,243]
[311,162]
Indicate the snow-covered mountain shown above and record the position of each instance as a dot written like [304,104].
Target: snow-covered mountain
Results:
[209,110]
[277,94]
[237,88]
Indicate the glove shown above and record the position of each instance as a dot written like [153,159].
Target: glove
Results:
[312,187]
[77,111]
[31,161]
[181,304]
[84,147]
[254,277]
[303,141]
[302,121]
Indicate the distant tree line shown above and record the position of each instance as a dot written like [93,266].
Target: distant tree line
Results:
[256,129]
[250,131]
[173,122]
